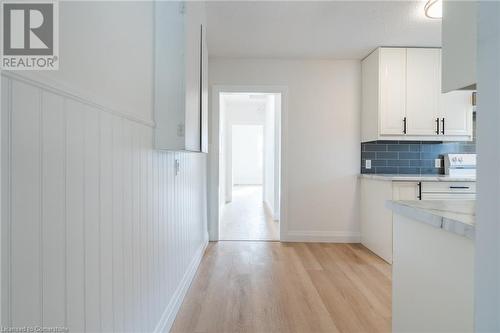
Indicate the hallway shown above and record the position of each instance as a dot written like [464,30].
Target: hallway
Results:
[245,218]
[287,287]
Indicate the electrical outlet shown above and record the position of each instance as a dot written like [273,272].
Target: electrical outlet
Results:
[368,164]
[437,163]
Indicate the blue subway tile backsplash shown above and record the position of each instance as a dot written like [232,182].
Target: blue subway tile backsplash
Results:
[382,155]
[409,157]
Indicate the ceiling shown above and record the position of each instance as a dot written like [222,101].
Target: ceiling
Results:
[316,29]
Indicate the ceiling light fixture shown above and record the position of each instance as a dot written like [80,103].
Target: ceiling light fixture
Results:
[434,9]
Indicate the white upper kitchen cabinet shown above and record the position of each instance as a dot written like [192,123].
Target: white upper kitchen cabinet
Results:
[459,40]
[455,114]
[422,91]
[383,86]
[180,76]
[402,98]
[392,90]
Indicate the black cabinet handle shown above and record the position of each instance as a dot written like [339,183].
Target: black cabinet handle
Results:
[442,127]
[419,197]
[437,125]
[460,187]
[404,125]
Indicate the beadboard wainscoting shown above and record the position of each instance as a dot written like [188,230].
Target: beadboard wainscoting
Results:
[99,232]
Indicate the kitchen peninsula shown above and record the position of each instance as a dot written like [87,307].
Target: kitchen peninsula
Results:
[433,265]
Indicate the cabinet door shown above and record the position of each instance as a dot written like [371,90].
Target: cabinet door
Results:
[456,110]
[423,90]
[370,97]
[204,91]
[193,70]
[170,75]
[392,90]
[376,219]
[405,191]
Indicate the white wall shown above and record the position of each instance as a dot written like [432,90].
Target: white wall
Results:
[106,54]
[487,243]
[248,154]
[322,145]
[98,233]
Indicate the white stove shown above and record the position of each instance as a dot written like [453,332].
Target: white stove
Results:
[460,165]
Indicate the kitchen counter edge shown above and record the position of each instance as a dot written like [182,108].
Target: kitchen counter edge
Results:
[433,217]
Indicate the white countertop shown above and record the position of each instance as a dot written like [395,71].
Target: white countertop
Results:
[419,178]
[456,216]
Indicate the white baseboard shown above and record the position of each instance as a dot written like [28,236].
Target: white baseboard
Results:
[170,312]
[322,236]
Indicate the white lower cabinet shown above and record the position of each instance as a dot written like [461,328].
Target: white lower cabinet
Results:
[405,190]
[376,219]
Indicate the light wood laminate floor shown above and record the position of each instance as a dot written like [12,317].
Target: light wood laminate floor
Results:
[245,218]
[287,287]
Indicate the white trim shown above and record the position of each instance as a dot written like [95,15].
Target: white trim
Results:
[170,312]
[66,91]
[267,209]
[323,236]
[214,146]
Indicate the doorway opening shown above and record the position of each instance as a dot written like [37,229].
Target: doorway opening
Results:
[249,166]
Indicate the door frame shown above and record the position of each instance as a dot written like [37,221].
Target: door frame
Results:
[213,191]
